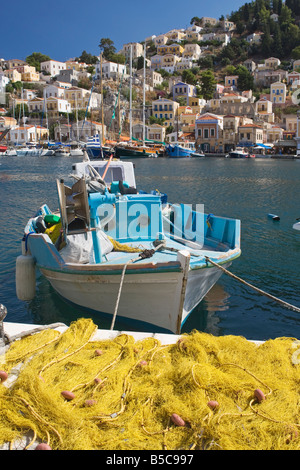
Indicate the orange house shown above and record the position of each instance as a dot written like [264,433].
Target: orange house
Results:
[209,132]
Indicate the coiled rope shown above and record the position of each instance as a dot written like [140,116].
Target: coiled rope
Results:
[272,297]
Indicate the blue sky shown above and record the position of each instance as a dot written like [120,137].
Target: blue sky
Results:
[63,29]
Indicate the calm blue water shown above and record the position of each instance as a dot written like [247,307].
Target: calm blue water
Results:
[247,189]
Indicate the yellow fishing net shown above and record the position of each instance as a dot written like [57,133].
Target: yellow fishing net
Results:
[126,392]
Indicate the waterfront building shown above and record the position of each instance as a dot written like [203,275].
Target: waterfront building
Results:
[28,133]
[274,134]
[250,135]
[209,132]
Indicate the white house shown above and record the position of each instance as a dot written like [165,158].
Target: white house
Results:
[54,91]
[53,67]
[27,133]
[3,82]
[192,51]
[110,70]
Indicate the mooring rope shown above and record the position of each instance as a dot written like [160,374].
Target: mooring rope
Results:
[144,254]
[282,302]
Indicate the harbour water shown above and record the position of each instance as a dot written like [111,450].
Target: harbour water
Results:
[248,189]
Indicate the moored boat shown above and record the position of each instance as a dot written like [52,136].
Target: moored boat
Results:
[126,150]
[110,242]
[182,149]
[239,152]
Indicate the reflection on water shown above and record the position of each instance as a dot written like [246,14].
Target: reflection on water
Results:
[244,189]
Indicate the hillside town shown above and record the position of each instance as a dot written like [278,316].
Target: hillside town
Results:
[167,88]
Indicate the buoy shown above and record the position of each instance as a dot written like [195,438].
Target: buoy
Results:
[273,217]
[25,276]
[296,226]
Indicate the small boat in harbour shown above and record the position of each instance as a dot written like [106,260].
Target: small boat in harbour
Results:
[110,248]
[239,152]
[96,150]
[182,149]
[62,151]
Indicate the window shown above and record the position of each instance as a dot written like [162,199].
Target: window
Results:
[212,132]
[199,132]
[206,133]
[248,136]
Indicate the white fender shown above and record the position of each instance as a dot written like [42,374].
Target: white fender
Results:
[25,276]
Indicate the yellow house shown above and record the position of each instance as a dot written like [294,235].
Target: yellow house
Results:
[175,35]
[13,75]
[36,105]
[187,121]
[30,76]
[169,61]
[170,49]
[77,97]
[250,135]
[165,109]
[278,92]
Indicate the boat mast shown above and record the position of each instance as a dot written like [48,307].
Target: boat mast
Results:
[130,97]
[102,113]
[144,88]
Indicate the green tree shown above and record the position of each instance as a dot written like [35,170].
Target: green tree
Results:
[285,18]
[245,80]
[276,48]
[208,84]
[35,60]
[88,58]
[189,77]
[296,53]
[266,43]
[107,48]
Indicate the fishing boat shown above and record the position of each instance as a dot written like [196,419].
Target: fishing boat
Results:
[3,148]
[133,150]
[239,152]
[96,150]
[11,152]
[120,252]
[47,152]
[29,151]
[62,151]
[183,149]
